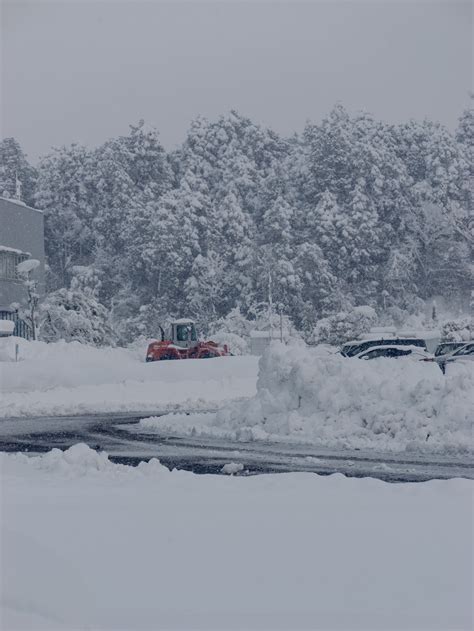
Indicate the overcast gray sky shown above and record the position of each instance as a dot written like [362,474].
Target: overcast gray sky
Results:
[82,71]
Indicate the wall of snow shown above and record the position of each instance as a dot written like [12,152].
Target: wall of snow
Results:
[332,400]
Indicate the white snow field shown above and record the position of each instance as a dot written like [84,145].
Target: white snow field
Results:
[386,404]
[72,378]
[87,544]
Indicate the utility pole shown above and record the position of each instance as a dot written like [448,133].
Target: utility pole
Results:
[17,188]
[281,324]
[470,228]
[270,303]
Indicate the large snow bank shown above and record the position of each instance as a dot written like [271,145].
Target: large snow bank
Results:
[305,395]
[66,378]
[87,544]
[391,404]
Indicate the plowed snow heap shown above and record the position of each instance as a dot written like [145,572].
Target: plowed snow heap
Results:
[183,344]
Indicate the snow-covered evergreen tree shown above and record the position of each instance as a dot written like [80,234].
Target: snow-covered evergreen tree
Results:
[343,326]
[66,193]
[16,172]
[75,314]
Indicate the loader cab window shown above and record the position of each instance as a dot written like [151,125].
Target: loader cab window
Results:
[184,332]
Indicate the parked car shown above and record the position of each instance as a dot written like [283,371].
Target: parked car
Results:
[415,353]
[463,354]
[464,351]
[356,347]
[445,348]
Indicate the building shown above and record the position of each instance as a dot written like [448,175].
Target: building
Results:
[21,238]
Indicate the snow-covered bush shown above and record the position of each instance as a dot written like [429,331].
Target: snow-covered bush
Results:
[458,330]
[414,313]
[235,323]
[132,320]
[343,326]
[235,328]
[75,315]
[237,345]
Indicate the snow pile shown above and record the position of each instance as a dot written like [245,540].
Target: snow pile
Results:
[88,544]
[6,327]
[313,395]
[232,467]
[332,400]
[79,461]
[67,378]
[182,424]
[205,424]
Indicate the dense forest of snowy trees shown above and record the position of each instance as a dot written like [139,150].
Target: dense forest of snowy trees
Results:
[351,212]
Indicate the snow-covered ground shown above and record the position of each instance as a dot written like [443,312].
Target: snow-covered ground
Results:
[303,395]
[60,378]
[87,544]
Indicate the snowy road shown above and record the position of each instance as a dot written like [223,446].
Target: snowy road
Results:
[123,439]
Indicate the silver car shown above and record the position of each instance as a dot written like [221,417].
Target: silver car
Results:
[462,353]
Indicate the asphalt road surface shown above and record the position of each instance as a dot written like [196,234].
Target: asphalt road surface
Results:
[122,438]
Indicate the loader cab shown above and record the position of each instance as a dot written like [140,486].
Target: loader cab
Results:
[183,333]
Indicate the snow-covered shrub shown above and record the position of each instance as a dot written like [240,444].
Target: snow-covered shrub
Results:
[235,323]
[237,345]
[343,326]
[458,330]
[74,315]
[235,328]
[413,314]
[132,320]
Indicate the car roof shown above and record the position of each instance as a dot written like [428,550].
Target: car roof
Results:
[383,338]
[400,347]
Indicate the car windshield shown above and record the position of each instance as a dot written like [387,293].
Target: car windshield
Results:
[465,350]
[447,347]
[350,349]
[386,352]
